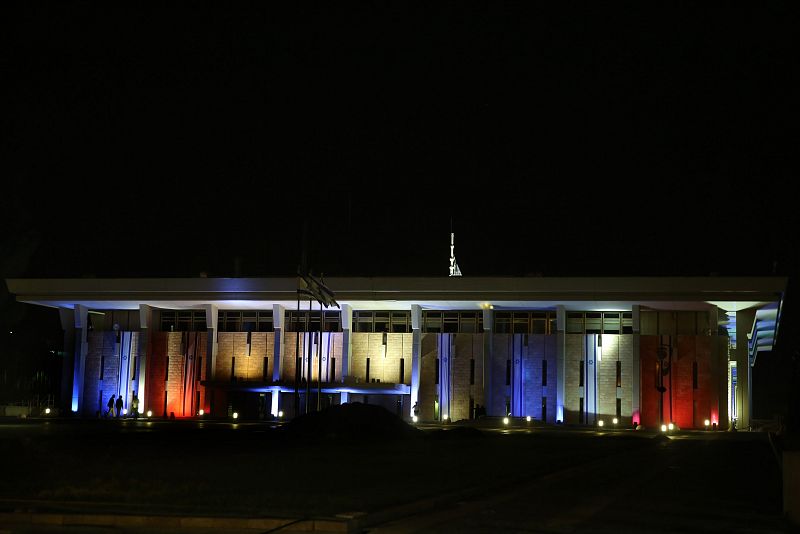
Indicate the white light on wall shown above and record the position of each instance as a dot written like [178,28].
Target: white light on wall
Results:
[706,422]
[663,428]
[505,420]
[599,347]
[615,420]
[600,423]
[201,412]
[445,417]
[124,411]
[528,418]
[671,426]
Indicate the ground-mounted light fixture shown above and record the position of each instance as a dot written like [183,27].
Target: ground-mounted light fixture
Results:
[201,413]
[600,423]
[149,413]
[236,415]
[414,418]
[280,413]
[528,418]
[47,411]
[671,427]
[505,420]
[663,428]
[706,423]
[615,421]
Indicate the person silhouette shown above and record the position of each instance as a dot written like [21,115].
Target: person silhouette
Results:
[110,405]
[120,404]
[135,405]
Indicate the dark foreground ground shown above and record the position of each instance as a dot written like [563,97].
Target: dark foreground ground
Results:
[455,480]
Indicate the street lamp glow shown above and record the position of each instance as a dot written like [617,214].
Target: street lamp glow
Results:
[615,420]
[528,418]
[600,423]
[505,420]
[663,428]
[671,426]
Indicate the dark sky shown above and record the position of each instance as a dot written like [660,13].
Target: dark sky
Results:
[152,140]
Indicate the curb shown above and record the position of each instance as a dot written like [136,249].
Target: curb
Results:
[345,525]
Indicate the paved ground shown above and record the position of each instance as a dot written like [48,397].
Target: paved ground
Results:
[519,479]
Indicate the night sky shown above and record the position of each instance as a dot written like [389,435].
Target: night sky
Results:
[604,139]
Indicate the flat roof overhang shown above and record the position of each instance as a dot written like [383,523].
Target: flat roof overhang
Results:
[579,293]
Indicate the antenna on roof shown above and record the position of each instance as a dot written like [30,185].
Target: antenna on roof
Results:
[454,270]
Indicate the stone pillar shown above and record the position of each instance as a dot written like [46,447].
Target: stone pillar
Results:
[81,326]
[143,352]
[636,396]
[561,361]
[212,318]
[347,345]
[416,351]
[488,326]
[278,324]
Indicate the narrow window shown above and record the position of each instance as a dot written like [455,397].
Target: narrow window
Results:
[102,366]
[199,367]
[166,379]
[619,374]
[368,374]
[580,376]
[580,409]
[472,371]
[508,372]
[333,369]
[544,408]
[233,369]
[402,370]
[471,408]
[134,375]
[694,375]
[265,370]
[437,371]
[544,373]
[619,407]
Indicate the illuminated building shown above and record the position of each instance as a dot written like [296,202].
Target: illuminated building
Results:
[571,350]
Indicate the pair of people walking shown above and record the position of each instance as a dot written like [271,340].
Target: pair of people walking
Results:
[115,405]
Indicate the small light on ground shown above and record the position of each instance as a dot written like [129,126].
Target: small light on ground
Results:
[663,428]
[445,417]
[236,415]
[615,420]
[124,411]
[671,426]
[201,412]
[706,422]
[414,418]
[528,418]
[47,411]
[280,413]
[505,420]
[149,413]
[600,423]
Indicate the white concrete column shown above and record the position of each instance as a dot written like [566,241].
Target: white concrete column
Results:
[488,351]
[278,325]
[416,351]
[212,318]
[561,361]
[143,352]
[347,344]
[81,326]
[636,395]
